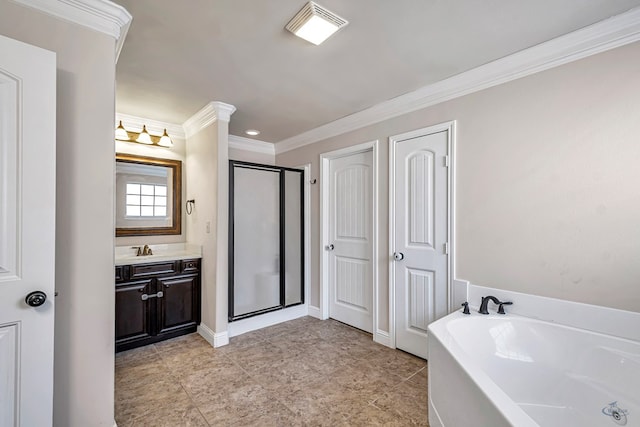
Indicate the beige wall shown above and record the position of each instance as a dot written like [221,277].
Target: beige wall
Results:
[221,128]
[207,172]
[547,181]
[84,329]
[201,166]
[177,152]
[251,156]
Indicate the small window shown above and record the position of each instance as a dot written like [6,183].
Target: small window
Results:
[146,200]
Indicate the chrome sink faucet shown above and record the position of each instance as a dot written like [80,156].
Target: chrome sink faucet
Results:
[485,304]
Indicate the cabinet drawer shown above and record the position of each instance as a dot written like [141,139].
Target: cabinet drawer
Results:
[119,273]
[145,270]
[189,265]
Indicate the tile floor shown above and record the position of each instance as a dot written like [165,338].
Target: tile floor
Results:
[298,373]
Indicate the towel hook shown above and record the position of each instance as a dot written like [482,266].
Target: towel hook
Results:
[189,207]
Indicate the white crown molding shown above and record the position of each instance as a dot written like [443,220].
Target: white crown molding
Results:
[206,116]
[248,144]
[155,127]
[602,36]
[99,15]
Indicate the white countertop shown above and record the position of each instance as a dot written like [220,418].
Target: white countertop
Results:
[125,255]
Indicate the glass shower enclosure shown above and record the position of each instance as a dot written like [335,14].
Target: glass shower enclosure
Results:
[266,248]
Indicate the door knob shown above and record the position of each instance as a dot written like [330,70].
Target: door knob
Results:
[35,298]
[329,247]
[398,256]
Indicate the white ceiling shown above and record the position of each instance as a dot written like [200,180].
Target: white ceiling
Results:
[180,55]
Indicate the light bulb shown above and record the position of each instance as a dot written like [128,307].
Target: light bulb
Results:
[144,137]
[165,140]
[121,133]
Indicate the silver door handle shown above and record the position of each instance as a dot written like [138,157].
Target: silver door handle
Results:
[398,256]
[329,247]
[145,297]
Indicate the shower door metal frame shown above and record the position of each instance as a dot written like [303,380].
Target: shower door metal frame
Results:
[282,261]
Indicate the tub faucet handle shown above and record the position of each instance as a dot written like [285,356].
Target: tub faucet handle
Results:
[466,308]
[501,306]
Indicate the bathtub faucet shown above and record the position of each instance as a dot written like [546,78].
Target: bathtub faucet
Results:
[485,304]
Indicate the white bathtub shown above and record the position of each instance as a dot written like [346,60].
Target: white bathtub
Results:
[507,370]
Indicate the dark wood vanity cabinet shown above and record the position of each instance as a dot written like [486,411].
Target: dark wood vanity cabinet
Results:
[156,301]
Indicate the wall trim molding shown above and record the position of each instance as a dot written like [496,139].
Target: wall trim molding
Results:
[383,338]
[99,15]
[315,312]
[154,127]
[605,35]
[216,339]
[254,145]
[206,116]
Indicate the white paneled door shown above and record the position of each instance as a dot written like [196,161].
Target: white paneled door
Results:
[27,233]
[421,232]
[350,240]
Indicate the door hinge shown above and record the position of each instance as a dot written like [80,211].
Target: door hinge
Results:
[446,161]
[445,248]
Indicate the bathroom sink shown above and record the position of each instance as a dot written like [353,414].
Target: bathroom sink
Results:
[124,255]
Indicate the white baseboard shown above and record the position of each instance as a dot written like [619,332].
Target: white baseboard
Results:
[215,339]
[115,424]
[382,337]
[243,326]
[220,339]
[315,312]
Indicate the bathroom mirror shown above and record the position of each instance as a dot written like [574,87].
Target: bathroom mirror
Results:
[148,196]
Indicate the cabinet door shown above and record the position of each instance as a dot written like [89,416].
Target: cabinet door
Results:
[133,313]
[179,306]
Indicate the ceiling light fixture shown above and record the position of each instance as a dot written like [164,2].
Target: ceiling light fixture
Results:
[315,24]
[143,137]
[252,132]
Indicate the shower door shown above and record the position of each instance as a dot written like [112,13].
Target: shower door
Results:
[266,258]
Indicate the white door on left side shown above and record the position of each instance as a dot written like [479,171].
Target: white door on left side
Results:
[27,233]
[350,240]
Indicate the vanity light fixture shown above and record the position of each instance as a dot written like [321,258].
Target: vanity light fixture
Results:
[315,24]
[252,132]
[143,137]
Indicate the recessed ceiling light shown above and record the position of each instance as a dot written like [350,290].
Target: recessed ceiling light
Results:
[315,24]
[252,132]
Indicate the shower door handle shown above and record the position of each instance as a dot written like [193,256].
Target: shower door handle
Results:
[330,247]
